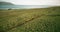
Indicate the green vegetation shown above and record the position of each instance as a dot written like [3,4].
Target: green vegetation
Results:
[30,20]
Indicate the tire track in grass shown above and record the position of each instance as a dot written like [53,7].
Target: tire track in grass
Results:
[22,23]
[27,22]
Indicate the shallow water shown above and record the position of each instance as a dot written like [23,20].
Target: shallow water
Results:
[22,6]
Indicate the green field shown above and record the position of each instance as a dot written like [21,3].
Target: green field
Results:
[30,20]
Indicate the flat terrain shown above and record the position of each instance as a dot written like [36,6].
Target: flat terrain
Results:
[30,20]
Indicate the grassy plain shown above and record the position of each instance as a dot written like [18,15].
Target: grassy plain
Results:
[30,20]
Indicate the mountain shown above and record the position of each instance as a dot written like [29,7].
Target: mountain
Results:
[6,3]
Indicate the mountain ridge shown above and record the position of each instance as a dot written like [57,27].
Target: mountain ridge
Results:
[6,3]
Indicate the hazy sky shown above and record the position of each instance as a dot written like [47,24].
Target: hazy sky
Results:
[34,2]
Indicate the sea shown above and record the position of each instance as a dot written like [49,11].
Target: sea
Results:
[22,6]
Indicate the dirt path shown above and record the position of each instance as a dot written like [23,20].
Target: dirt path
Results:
[22,23]
[27,22]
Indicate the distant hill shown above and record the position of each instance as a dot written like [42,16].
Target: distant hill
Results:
[6,3]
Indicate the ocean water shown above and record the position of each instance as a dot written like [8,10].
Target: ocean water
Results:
[22,6]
